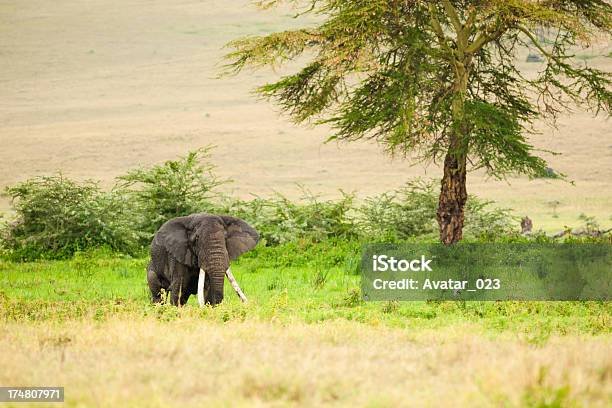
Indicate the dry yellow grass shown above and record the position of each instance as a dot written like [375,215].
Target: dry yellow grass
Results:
[187,362]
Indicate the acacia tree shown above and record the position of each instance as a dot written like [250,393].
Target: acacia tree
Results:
[437,79]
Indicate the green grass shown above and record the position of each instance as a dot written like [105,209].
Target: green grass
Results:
[101,286]
[305,338]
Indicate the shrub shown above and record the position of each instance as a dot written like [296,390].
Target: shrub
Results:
[407,212]
[482,220]
[56,217]
[175,188]
[279,220]
[411,212]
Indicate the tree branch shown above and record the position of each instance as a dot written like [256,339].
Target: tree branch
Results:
[469,23]
[454,17]
[437,27]
[536,43]
[484,38]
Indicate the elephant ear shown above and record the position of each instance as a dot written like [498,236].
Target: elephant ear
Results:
[239,236]
[174,236]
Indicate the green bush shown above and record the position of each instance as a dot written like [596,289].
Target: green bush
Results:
[407,212]
[279,220]
[411,212]
[56,216]
[483,220]
[173,189]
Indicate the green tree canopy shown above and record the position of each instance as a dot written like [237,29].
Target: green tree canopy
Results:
[437,78]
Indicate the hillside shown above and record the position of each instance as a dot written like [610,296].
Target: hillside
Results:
[95,90]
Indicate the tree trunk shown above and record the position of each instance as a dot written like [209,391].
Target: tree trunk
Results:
[453,196]
[453,192]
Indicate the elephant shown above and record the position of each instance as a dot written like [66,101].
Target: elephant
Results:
[191,255]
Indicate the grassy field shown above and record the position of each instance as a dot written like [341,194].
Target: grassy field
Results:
[306,338]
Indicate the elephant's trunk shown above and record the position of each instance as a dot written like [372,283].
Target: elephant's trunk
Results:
[232,280]
[214,261]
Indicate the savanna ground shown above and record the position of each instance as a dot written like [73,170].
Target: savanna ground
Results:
[94,90]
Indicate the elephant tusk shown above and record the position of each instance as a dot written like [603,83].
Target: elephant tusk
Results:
[201,287]
[232,280]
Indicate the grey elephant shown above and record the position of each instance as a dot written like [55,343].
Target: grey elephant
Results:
[192,254]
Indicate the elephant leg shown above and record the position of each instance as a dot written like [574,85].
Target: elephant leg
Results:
[154,285]
[180,285]
[184,298]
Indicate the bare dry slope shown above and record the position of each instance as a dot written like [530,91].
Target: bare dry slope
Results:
[95,89]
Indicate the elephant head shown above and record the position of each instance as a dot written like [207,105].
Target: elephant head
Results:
[208,242]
